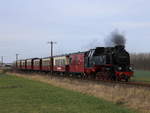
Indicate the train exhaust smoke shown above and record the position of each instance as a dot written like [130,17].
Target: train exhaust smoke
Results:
[116,38]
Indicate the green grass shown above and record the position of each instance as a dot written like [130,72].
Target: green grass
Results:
[140,75]
[19,95]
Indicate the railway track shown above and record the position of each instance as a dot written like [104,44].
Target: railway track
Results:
[130,83]
[143,84]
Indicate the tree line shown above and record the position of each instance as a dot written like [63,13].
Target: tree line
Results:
[140,61]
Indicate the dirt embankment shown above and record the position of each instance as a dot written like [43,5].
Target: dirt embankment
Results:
[130,96]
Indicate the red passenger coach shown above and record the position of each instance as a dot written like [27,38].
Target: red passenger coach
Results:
[61,63]
[29,63]
[18,64]
[76,62]
[23,64]
[46,64]
[37,64]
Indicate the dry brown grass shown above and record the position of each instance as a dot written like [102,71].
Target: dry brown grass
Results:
[130,96]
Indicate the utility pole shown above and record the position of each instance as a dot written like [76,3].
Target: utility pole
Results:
[51,43]
[17,57]
[2,59]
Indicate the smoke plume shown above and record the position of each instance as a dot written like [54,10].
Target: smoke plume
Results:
[115,38]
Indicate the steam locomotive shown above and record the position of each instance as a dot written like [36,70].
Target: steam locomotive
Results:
[109,63]
[101,63]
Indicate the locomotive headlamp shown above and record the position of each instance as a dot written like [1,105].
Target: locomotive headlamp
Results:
[119,68]
[130,68]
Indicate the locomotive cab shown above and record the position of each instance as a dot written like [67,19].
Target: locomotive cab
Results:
[96,57]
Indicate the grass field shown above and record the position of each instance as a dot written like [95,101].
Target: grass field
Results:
[141,76]
[19,95]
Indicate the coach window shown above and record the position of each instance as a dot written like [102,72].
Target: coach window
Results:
[28,63]
[36,63]
[76,60]
[57,62]
[70,60]
[61,62]
[46,63]
[64,62]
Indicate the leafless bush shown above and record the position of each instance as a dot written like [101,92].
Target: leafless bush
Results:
[141,61]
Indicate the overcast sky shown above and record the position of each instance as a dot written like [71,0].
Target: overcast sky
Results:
[76,25]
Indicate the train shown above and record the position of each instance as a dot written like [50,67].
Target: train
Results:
[100,63]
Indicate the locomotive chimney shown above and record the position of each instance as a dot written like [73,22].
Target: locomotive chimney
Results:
[120,47]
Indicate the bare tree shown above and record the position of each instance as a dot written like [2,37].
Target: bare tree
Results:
[141,61]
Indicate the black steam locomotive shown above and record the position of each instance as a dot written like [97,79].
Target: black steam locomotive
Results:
[109,63]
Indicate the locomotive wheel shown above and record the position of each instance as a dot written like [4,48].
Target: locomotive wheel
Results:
[118,79]
[103,76]
[93,76]
[126,79]
[113,77]
[84,76]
